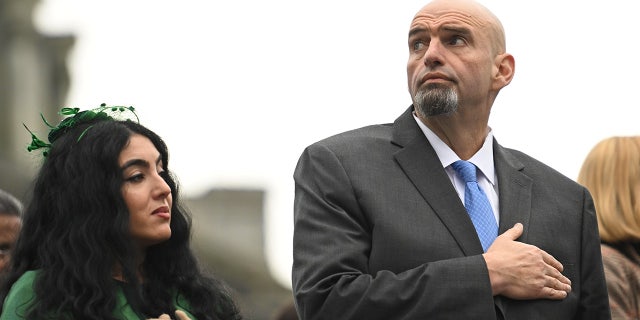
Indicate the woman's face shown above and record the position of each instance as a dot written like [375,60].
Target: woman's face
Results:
[147,195]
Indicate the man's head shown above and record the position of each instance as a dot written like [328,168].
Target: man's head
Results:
[10,223]
[457,58]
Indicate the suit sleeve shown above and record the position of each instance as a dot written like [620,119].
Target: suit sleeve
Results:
[332,243]
[594,301]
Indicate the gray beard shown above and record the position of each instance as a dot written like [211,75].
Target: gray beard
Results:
[435,100]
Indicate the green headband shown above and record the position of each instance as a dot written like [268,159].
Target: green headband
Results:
[74,117]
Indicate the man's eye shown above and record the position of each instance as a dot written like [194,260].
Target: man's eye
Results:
[418,45]
[456,41]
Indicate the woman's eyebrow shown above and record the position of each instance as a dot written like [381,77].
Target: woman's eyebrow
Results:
[135,162]
[140,163]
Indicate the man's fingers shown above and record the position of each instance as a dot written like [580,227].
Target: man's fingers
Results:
[557,279]
[515,232]
[550,260]
[554,294]
[555,274]
[562,284]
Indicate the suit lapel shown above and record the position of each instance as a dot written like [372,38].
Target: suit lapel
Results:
[514,190]
[418,160]
[515,200]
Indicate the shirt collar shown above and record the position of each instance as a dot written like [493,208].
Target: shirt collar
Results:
[483,159]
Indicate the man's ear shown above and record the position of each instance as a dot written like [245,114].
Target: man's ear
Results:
[505,67]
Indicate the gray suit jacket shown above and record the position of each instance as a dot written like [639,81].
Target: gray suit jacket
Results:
[380,233]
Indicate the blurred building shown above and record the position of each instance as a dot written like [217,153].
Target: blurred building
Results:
[34,80]
[229,237]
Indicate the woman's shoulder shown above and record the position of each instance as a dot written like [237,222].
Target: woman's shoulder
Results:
[28,276]
[616,263]
[24,284]
[20,297]
[181,303]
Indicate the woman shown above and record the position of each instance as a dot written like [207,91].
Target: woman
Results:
[104,235]
[611,172]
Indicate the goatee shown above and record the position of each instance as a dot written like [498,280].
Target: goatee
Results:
[435,100]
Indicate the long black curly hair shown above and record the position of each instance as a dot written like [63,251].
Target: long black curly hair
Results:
[76,229]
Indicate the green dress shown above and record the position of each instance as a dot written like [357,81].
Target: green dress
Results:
[21,297]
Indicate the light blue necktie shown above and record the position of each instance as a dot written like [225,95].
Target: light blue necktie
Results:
[477,204]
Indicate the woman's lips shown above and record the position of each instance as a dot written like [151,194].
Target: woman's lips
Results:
[163,212]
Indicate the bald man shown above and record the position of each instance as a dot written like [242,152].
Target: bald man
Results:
[10,223]
[380,225]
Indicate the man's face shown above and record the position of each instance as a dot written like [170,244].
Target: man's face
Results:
[451,57]
[9,229]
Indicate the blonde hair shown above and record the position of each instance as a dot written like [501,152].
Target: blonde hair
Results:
[611,172]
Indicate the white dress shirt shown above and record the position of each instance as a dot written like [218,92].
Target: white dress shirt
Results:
[483,159]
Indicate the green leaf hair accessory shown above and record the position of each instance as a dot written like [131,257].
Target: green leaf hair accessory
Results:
[37,143]
[74,117]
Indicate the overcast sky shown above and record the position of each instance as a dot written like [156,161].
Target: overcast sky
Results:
[239,88]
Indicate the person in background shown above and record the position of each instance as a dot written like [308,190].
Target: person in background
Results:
[430,217]
[105,235]
[611,172]
[10,223]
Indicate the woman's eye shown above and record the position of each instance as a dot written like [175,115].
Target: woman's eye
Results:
[136,178]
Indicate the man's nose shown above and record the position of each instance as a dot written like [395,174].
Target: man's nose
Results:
[433,56]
